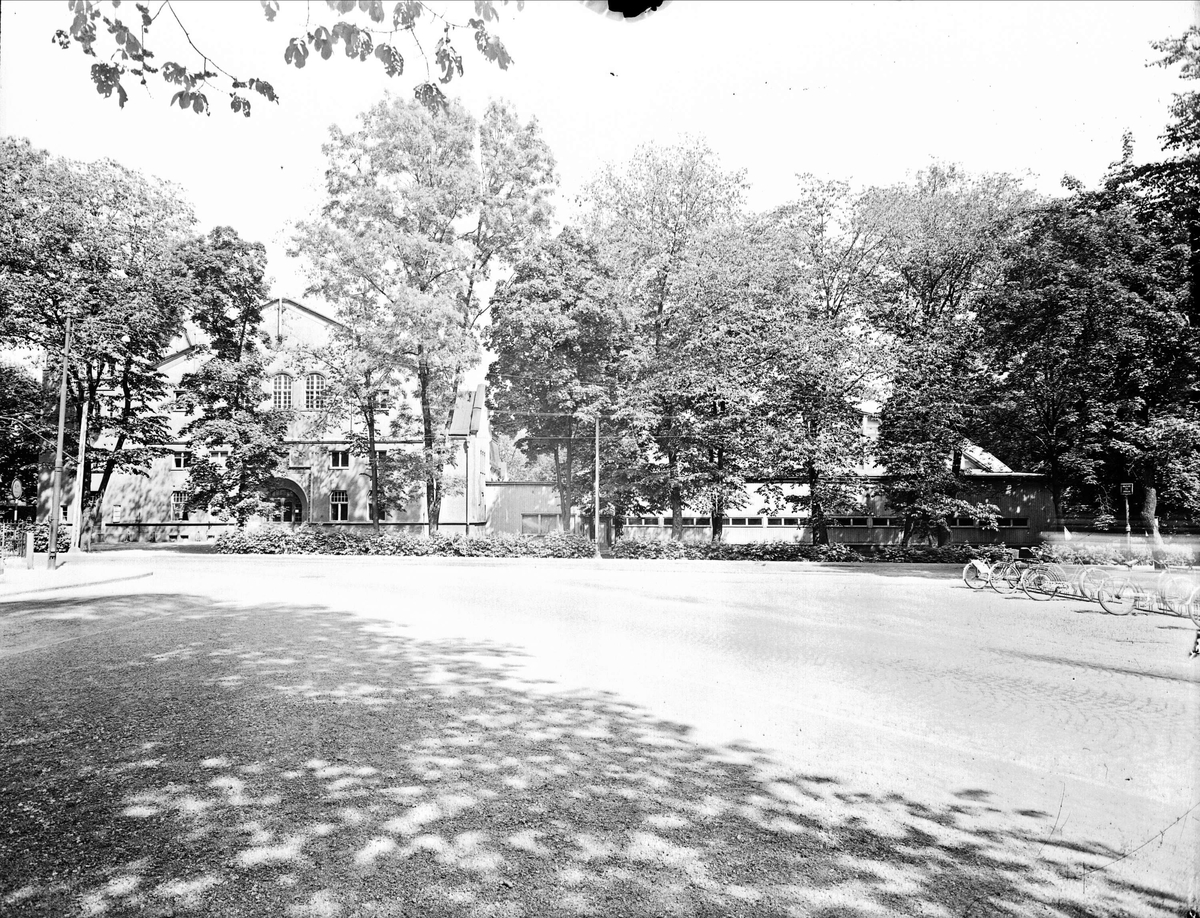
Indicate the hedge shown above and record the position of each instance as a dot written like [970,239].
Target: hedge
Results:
[14,537]
[1111,554]
[323,540]
[803,551]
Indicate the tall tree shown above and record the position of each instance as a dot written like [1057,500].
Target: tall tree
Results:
[94,242]
[25,428]
[238,439]
[413,225]
[652,212]
[558,334]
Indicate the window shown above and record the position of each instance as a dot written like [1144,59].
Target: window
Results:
[851,521]
[218,456]
[314,391]
[339,506]
[281,395]
[183,458]
[339,458]
[883,521]
[179,506]
[1013,522]
[540,523]
[116,513]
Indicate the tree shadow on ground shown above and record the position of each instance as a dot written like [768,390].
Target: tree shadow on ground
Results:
[268,760]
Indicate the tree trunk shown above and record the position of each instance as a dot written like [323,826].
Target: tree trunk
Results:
[1150,505]
[111,462]
[816,512]
[566,493]
[906,534]
[676,494]
[433,476]
[376,502]
[718,517]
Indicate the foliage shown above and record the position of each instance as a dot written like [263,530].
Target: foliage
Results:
[413,223]
[94,243]
[1112,553]
[651,215]
[359,32]
[802,551]
[331,540]
[558,335]
[222,277]
[14,537]
[25,429]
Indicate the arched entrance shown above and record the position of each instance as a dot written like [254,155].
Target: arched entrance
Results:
[287,501]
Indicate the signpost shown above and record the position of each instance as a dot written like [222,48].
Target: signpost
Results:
[1126,490]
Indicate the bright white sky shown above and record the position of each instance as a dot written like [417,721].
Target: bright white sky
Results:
[868,92]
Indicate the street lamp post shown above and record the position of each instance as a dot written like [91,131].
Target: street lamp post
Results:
[56,476]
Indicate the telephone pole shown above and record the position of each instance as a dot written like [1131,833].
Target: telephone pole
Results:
[56,476]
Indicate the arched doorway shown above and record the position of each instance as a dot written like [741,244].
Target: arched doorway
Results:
[286,500]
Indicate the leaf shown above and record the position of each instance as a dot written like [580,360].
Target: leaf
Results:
[264,89]
[63,39]
[406,14]
[341,6]
[373,8]
[393,63]
[323,41]
[485,9]
[448,59]
[270,8]
[432,97]
[296,53]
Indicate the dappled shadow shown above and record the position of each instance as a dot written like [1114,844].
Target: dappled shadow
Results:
[270,760]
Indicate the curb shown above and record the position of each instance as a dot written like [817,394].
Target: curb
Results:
[69,586]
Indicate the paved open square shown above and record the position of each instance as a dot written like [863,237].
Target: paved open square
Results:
[377,736]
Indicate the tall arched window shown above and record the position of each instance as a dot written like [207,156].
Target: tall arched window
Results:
[314,391]
[282,393]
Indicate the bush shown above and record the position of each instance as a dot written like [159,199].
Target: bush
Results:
[330,540]
[14,537]
[1111,554]
[803,551]
[724,551]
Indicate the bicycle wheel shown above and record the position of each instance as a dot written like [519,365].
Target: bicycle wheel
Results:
[1173,593]
[1118,597]
[1007,577]
[1190,607]
[976,575]
[1040,584]
[1088,582]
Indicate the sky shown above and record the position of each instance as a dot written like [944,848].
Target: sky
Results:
[865,92]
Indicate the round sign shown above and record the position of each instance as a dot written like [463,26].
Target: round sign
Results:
[17,490]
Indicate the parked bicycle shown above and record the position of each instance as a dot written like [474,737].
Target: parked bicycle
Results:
[1171,592]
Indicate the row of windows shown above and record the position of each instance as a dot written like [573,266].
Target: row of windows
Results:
[314,391]
[853,522]
[287,507]
[338,458]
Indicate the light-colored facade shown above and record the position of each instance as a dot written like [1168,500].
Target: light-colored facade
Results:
[320,482]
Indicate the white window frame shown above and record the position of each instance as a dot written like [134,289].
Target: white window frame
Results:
[339,454]
[339,506]
[314,393]
[281,391]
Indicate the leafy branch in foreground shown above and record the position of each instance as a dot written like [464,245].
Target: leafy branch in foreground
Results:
[363,34]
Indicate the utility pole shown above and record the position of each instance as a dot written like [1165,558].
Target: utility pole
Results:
[467,485]
[56,476]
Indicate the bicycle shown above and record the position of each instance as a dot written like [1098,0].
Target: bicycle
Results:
[1171,593]
[977,574]
[1044,581]
[1006,575]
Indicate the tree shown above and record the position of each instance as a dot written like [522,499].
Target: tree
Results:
[94,242]
[651,213]
[558,335]
[412,227]
[222,276]
[132,57]
[824,252]
[25,429]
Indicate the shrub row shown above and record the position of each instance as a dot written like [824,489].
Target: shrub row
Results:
[321,540]
[1111,554]
[14,537]
[803,551]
